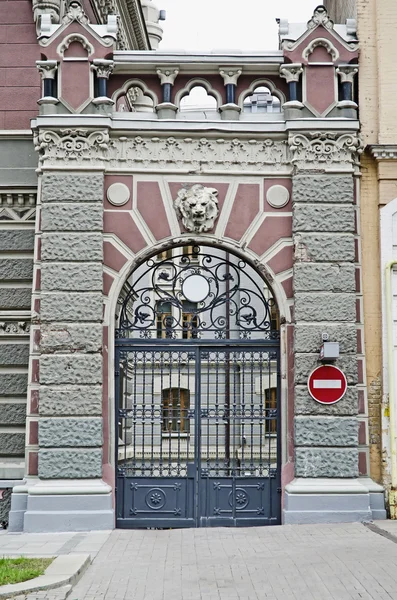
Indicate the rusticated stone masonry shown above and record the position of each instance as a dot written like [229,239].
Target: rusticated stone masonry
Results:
[326,437]
[70,423]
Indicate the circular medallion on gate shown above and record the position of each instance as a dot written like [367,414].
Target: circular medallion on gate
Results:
[195,288]
[155,498]
[327,384]
[241,499]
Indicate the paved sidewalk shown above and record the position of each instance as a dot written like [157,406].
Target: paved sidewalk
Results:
[300,562]
[292,562]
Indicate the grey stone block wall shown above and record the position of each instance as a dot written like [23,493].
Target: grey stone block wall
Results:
[70,406]
[16,272]
[326,437]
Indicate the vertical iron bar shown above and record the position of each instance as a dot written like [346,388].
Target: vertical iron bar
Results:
[143,410]
[252,410]
[261,413]
[134,413]
[197,435]
[227,368]
[152,417]
[161,364]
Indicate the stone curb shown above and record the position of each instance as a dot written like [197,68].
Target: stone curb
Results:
[63,570]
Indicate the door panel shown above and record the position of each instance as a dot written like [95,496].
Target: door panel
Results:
[198,435]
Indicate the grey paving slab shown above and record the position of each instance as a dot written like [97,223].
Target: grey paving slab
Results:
[292,562]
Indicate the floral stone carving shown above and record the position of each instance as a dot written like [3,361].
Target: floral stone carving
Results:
[197,207]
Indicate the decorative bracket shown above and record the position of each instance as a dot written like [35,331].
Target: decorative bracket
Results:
[167,75]
[230,75]
[291,72]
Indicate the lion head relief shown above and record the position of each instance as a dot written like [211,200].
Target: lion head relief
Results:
[198,207]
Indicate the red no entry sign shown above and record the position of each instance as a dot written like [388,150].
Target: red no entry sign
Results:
[327,384]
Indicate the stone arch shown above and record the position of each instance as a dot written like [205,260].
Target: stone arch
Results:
[323,42]
[198,82]
[262,83]
[135,83]
[133,263]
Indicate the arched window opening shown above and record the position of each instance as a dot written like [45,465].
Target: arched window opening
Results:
[198,99]
[135,100]
[262,101]
[175,404]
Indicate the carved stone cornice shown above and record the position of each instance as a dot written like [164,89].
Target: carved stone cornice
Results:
[149,153]
[132,33]
[77,145]
[320,150]
[383,151]
[291,72]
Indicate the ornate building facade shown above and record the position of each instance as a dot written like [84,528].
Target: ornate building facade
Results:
[170,276]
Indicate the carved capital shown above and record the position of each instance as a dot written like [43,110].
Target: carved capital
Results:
[325,149]
[291,72]
[77,145]
[167,75]
[230,75]
[103,68]
[347,73]
[47,68]
[197,206]
[320,17]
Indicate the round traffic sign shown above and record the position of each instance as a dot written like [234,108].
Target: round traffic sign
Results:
[327,384]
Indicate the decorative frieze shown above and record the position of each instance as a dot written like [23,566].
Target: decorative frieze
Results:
[71,144]
[325,149]
[306,151]
[150,153]
[11,328]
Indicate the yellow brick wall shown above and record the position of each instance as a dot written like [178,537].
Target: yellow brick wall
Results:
[376,29]
[377,25]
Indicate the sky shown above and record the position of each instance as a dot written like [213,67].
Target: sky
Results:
[228,24]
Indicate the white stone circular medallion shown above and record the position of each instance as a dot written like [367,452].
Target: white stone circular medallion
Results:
[277,196]
[118,194]
[195,288]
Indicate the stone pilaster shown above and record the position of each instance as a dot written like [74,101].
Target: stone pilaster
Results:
[69,493]
[326,436]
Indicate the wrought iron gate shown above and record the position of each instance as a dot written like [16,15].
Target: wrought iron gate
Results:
[197,418]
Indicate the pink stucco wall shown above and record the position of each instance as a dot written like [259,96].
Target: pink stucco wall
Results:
[20,85]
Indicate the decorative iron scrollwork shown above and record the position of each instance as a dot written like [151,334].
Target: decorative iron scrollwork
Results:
[163,299]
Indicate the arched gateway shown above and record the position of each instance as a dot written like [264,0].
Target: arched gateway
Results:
[197,393]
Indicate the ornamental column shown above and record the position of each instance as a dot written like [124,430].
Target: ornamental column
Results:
[103,69]
[291,73]
[167,109]
[48,70]
[230,111]
[346,105]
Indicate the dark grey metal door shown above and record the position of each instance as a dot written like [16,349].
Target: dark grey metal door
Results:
[198,434]
[197,393]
